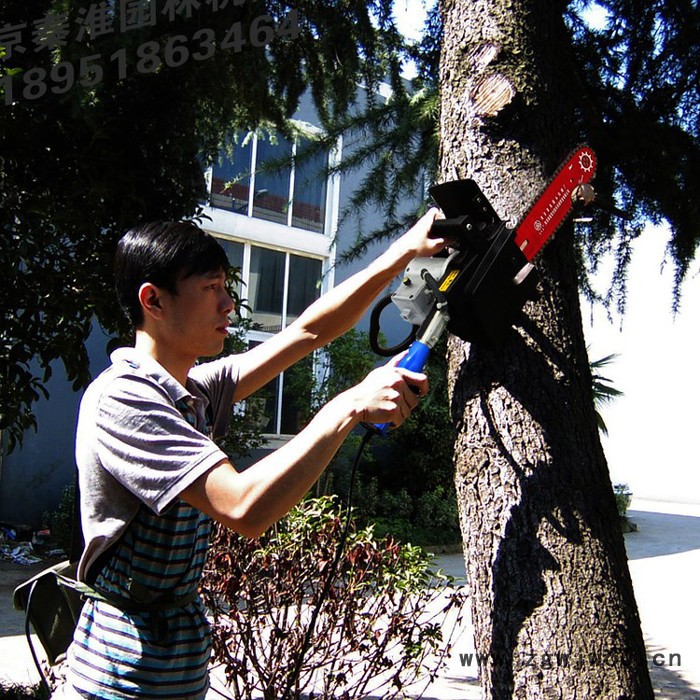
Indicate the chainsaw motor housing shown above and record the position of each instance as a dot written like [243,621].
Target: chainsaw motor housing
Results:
[482,282]
[491,279]
[414,297]
[486,289]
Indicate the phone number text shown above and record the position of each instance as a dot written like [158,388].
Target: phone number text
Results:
[149,57]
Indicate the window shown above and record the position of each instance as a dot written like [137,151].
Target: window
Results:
[266,288]
[309,201]
[277,286]
[284,399]
[230,181]
[271,199]
[304,284]
[234,252]
[274,179]
[280,286]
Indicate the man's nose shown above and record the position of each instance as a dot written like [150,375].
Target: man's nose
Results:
[227,305]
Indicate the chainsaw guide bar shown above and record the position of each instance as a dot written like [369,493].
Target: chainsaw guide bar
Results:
[553,205]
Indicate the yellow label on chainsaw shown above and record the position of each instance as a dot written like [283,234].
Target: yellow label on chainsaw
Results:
[447,282]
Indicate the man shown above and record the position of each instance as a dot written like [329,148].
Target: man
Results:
[152,479]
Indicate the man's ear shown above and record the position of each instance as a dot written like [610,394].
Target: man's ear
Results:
[150,299]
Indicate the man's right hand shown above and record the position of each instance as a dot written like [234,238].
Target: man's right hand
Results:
[388,394]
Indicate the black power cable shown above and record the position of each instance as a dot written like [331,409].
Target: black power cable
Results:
[374,328]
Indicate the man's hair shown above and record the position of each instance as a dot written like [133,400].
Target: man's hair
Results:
[162,253]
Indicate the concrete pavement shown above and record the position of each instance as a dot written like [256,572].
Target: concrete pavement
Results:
[664,562]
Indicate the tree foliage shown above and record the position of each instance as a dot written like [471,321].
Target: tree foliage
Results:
[393,143]
[603,390]
[638,74]
[636,81]
[128,141]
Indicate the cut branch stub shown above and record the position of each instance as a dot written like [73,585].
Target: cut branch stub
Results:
[491,94]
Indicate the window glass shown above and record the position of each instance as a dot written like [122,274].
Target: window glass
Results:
[230,181]
[295,385]
[234,253]
[309,202]
[304,284]
[271,198]
[266,288]
[264,402]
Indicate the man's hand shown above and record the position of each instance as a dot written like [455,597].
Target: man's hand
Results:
[416,243]
[389,394]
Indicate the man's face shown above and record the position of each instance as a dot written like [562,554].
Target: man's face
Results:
[198,315]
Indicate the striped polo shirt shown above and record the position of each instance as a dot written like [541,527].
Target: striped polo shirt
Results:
[161,654]
[142,438]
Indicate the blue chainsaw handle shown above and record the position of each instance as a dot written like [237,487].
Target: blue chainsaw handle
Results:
[416,357]
[413,360]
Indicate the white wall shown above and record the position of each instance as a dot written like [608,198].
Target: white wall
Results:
[654,427]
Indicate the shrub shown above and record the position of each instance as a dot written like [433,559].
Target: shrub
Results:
[623,498]
[60,521]
[22,692]
[377,627]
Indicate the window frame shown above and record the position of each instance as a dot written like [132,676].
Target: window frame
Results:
[259,336]
[332,194]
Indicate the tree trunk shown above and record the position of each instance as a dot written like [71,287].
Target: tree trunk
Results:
[552,599]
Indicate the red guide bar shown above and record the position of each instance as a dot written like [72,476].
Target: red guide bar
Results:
[555,203]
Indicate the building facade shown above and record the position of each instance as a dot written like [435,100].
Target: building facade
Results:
[278,226]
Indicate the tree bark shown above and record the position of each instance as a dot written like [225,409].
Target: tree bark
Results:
[552,599]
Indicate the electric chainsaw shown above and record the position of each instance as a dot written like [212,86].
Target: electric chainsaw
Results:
[476,289]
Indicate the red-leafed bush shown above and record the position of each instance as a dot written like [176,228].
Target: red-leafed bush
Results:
[386,621]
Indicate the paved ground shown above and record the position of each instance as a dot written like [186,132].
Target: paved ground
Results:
[664,561]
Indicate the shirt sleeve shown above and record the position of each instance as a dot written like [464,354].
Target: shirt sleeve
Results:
[218,380]
[146,444]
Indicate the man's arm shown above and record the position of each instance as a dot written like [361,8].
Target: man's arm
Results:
[336,311]
[250,501]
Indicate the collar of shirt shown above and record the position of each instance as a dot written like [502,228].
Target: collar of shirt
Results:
[189,396]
